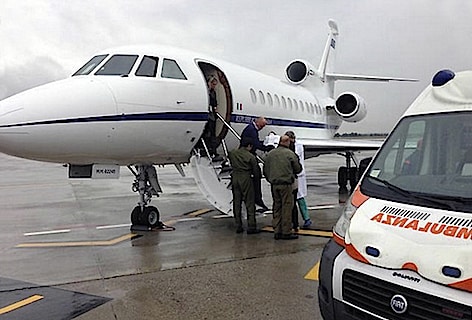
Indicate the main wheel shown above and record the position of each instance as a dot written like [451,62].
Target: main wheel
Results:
[342,179]
[150,217]
[353,177]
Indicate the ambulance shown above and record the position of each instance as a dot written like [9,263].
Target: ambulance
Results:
[402,248]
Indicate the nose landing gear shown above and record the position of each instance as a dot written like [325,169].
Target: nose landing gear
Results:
[147,185]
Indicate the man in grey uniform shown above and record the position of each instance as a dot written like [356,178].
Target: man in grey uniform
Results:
[281,166]
[245,170]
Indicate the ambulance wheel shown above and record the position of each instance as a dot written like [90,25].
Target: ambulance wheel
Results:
[342,179]
[150,217]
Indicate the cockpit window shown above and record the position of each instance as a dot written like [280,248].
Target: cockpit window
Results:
[118,65]
[89,66]
[170,69]
[147,67]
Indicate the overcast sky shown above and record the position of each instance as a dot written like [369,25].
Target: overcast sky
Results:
[45,40]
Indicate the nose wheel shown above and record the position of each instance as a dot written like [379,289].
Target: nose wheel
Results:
[146,185]
[145,216]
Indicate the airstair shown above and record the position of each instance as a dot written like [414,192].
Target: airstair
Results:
[213,178]
[214,181]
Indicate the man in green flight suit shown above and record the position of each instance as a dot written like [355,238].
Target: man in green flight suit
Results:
[281,166]
[245,169]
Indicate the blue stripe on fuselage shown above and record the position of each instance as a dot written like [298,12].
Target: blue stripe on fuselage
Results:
[173,116]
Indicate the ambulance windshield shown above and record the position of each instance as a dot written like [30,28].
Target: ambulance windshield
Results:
[427,158]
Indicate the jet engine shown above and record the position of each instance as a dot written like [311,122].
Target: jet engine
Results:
[350,107]
[298,71]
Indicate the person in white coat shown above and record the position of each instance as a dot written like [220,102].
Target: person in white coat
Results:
[302,187]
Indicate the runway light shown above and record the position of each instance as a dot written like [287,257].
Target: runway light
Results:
[442,77]
[451,272]
[371,251]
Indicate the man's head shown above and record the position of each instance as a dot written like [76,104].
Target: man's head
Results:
[291,135]
[212,82]
[261,122]
[284,141]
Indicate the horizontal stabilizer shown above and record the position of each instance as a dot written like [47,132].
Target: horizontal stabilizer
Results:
[339,76]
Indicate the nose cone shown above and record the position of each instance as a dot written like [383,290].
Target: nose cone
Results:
[33,121]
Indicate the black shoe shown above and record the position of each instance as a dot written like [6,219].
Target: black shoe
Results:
[253,231]
[261,210]
[277,236]
[240,230]
[288,237]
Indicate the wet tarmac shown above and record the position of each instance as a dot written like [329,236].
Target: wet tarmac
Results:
[66,250]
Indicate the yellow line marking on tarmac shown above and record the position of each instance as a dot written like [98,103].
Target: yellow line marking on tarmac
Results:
[21,303]
[76,243]
[313,273]
[305,232]
[199,212]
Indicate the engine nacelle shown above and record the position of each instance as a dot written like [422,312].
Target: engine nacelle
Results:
[298,71]
[350,107]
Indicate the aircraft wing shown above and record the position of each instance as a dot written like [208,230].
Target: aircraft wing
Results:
[315,147]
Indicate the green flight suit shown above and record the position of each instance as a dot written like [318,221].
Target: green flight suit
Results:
[281,165]
[245,169]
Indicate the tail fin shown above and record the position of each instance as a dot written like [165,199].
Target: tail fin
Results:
[326,68]
[327,60]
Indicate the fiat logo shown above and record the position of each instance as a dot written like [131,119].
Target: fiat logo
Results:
[398,304]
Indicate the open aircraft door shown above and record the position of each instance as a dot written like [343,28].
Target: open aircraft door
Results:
[213,178]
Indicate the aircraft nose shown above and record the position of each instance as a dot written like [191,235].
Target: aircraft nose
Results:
[26,117]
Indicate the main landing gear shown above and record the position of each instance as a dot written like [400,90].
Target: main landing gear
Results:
[347,173]
[147,185]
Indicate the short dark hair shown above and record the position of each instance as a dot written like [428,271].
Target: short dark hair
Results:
[245,141]
[290,134]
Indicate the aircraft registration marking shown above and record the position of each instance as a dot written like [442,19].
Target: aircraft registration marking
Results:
[21,303]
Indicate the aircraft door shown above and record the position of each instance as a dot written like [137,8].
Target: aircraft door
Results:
[224,97]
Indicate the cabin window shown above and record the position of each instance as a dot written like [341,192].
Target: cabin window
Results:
[147,67]
[295,105]
[284,103]
[90,65]
[253,96]
[170,69]
[118,65]
[270,102]
[289,103]
[261,97]
[276,101]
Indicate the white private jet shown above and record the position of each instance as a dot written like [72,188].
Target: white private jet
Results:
[142,106]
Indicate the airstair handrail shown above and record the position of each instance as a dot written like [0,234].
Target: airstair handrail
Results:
[234,133]
[228,126]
